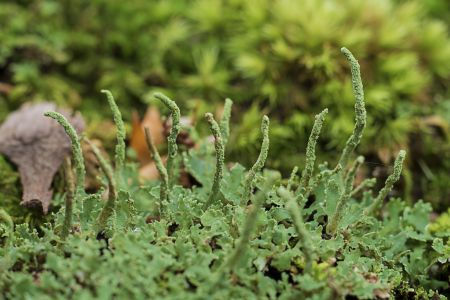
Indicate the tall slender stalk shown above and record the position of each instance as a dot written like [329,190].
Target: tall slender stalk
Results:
[76,150]
[110,205]
[333,223]
[220,160]
[172,139]
[225,120]
[360,109]
[160,167]
[311,150]
[297,219]
[389,184]
[121,133]
[70,195]
[259,164]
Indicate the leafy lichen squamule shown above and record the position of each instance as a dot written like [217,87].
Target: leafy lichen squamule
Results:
[360,109]
[172,139]
[259,164]
[220,159]
[121,133]
[76,149]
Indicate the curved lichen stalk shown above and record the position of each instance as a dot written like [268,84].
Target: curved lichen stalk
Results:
[360,109]
[259,164]
[220,159]
[76,149]
[393,178]
[311,151]
[160,167]
[121,133]
[70,195]
[297,220]
[110,205]
[172,138]
[333,223]
[225,120]
[292,178]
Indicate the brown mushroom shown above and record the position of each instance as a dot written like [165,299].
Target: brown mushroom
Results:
[38,146]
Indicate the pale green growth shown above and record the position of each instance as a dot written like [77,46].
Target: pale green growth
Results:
[225,120]
[249,225]
[70,195]
[121,133]
[311,150]
[159,166]
[6,219]
[333,223]
[172,139]
[259,164]
[390,181]
[322,176]
[360,109]
[76,149]
[109,207]
[366,183]
[8,222]
[220,159]
[292,178]
[297,220]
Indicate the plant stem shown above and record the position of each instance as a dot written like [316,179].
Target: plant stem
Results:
[121,133]
[220,159]
[70,195]
[259,164]
[172,139]
[360,109]
[160,167]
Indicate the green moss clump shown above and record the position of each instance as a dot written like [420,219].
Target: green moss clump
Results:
[10,192]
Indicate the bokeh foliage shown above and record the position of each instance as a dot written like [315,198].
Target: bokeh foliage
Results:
[277,57]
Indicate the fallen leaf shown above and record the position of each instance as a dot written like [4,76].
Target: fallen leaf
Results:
[152,120]
[38,146]
[149,170]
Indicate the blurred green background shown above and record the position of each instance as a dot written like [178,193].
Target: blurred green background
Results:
[279,57]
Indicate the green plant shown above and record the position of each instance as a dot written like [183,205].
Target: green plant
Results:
[263,241]
[275,57]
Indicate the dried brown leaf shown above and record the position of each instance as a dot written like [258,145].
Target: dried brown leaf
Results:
[38,146]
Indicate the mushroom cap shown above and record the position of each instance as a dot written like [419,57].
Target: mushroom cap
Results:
[38,146]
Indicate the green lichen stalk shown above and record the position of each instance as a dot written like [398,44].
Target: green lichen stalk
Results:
[109,207]
[311,150]
[297,220]
[121,133]
[259,164]
[366,183]
[333,224]
[292,178]
[360,109]
[220,159]
[390,181]
[172,139]
[225,120]
[70,195]
[76,149]
[159,166]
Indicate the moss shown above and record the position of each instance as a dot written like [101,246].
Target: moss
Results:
[10,190]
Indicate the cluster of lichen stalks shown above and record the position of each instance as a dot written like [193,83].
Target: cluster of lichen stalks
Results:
[294,199]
